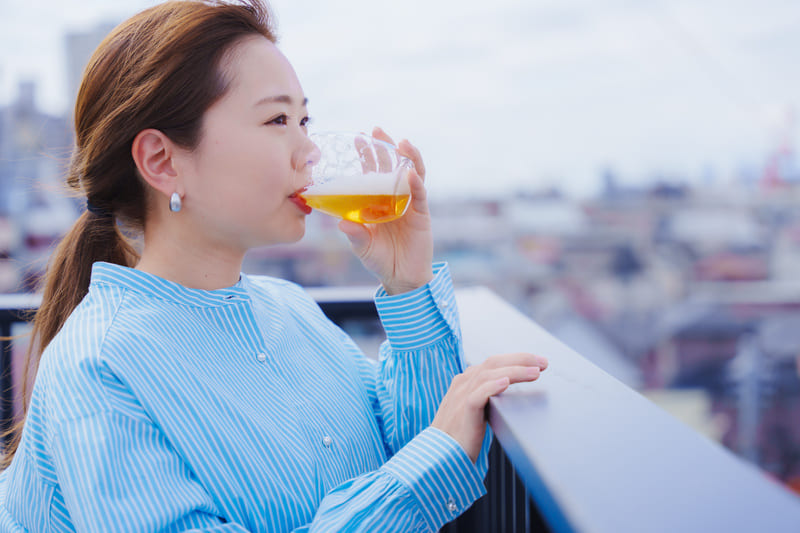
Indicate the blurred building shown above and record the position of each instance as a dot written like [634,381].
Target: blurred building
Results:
[35,147]
[79,47]
[34,210]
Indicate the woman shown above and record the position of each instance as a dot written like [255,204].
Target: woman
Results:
[174,392]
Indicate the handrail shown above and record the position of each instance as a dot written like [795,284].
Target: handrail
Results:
[596,456]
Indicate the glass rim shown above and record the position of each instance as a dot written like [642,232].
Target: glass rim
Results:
[346,133]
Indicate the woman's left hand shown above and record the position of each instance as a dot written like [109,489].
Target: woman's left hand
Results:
[400,252]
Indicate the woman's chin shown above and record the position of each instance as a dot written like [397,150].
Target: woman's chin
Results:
[296,233]
[291,233]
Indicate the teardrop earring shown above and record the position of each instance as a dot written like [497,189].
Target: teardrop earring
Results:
[175,202]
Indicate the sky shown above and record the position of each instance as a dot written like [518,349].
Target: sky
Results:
[510,95]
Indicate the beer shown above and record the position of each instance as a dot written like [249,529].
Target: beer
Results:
[356,177]
[361,208]
[371,198]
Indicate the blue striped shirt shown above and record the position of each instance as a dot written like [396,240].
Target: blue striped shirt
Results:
[163,408]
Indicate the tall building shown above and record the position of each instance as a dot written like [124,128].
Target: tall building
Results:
[79,48]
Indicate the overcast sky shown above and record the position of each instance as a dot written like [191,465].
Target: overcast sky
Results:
[509,94]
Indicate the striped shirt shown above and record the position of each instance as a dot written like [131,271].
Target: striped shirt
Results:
[163,408]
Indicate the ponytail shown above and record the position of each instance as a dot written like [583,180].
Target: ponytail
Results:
[93,237]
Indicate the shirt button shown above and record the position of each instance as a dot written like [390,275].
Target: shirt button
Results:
[451,505]
[327,441]
[261,357]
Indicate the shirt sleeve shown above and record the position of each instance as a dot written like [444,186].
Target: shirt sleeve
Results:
[421,356]
[428,483]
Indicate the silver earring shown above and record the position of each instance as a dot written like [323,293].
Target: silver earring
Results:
[175,202]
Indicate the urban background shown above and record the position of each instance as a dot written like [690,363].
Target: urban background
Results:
[686,290]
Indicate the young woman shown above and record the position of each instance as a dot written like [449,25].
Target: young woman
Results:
[174,392]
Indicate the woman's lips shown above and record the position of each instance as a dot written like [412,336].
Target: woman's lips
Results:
[298,200]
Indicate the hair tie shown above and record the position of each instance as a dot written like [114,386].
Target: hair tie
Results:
[98,211]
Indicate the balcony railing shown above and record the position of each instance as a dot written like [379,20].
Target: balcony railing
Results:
[577,450]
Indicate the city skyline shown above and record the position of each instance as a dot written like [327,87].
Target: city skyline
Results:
[511,95]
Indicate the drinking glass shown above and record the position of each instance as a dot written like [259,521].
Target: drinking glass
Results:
[358,178]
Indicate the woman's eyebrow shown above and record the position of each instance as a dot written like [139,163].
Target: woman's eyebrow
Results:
[281,98]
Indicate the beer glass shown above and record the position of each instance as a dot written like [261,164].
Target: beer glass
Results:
[358,178]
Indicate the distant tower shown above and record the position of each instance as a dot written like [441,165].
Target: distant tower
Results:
[780,168]
[79,48]
[610,183]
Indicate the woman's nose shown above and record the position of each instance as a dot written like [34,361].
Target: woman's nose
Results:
[307,155]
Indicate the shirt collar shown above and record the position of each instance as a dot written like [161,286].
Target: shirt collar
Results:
[152,285]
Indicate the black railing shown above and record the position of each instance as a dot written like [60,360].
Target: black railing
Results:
[596,456]
[14,309]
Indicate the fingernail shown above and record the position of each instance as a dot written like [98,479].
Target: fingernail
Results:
[503,382]
[533,372]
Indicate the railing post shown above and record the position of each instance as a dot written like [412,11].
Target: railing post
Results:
[6,382]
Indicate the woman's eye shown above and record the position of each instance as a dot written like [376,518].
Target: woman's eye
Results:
[281,120]
[305,121]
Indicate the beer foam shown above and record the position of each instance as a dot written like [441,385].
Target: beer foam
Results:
[369,183]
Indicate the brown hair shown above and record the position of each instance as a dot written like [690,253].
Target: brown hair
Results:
[159,69]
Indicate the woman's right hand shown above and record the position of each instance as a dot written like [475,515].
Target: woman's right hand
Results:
[462,412]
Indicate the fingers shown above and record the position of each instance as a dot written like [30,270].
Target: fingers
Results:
[512,374]
[419,196]
[358,235]
[487,390]
[410,151]
[515,374]
[485,381]
[381,152]
[384,158]
[405,148]
[378,133]
[365,155]
[513,359]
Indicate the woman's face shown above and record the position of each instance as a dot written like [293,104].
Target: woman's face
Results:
[252,155]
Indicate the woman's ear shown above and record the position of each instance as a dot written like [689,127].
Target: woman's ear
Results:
[154,153]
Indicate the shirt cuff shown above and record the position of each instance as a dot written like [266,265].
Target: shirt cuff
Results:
[439,474]
[421,317]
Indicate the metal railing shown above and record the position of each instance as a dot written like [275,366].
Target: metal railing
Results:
[14,309]
[596,456]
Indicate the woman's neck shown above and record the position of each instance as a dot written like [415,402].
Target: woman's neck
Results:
[196,265]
